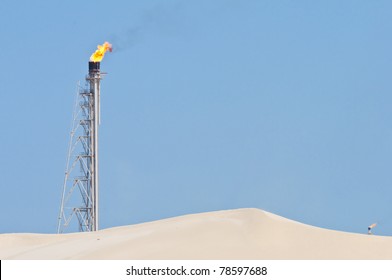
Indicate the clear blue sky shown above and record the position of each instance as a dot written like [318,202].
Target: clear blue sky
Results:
[208,105]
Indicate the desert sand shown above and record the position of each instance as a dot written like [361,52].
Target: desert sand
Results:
[230,234]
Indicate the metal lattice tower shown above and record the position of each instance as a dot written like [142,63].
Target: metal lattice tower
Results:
[80,189]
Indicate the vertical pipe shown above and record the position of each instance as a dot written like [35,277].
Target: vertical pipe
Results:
[96,123]
[94,78]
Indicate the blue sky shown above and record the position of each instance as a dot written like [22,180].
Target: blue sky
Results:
[208,105]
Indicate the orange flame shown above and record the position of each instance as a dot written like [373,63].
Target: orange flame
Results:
[100,52]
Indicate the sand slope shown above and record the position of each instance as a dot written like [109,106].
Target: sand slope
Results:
[232,234]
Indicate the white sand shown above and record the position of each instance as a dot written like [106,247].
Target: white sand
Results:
[233,234]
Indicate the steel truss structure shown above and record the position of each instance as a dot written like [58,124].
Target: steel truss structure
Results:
[79,199]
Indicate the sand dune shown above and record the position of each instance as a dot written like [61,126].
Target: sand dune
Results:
[232,234]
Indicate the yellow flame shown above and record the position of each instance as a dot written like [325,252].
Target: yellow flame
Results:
[100,52]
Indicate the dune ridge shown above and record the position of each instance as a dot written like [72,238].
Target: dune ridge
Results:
[231,234]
